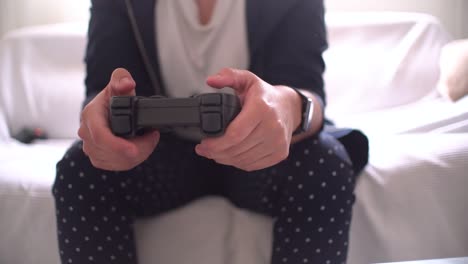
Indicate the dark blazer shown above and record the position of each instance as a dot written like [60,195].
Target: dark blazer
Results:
[286,40]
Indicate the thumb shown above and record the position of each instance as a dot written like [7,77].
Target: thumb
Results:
[239,80]
[121,83]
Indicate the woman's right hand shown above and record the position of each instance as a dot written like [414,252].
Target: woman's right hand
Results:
[104,149]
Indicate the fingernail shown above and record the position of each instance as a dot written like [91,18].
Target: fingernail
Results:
[125,80]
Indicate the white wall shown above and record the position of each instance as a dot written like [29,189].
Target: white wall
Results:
[18,13]
[452,13]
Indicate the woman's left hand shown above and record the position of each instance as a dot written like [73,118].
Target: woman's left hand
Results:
[260,136]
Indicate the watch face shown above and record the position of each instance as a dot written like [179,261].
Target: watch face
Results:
[307,114]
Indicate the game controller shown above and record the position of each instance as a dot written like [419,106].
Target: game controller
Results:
[211,113]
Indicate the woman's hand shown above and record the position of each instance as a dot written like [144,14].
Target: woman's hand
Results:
[105,150]
[260,136]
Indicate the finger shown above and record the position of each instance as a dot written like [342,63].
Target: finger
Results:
[102,136]
[233,152]
[240,128]
[146,143]
[239,80]
[262,163]
[121,83]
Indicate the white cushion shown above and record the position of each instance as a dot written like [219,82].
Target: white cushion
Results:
[380,60]
[453,82]
[42,78]
[4,132]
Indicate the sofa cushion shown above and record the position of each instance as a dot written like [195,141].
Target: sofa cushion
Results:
[380,60]
[453,82]
[42,78]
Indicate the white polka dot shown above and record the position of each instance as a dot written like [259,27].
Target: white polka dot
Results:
[74,229]
[70,261]
[311,173]
[61,176]
[332,219]
[77,249]
[70,209]
[91,258]
[72,164]
[298,230]
[311,197]
[330,241]
[343,188]
[91,186]
[306,151]
[322,208]
[283,209]
[320,229]
[287,240]
[81,174]
[93,208]
[96,228]
[289,220]
[298,163]
[291,199]
[299,209]
[80,197]
[64,220]
[333,197]
[334,173]
[305,260]
[309,219]
[318,250]
[285,260]
[338,253]
[307,240]
[321,161]
[70,186]
[86,238]
[290,178]
[99,248]
[300,186]
[295,250]
[324,184]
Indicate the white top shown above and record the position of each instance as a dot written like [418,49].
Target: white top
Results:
[189,51]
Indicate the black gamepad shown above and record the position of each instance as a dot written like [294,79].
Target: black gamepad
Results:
[210,112]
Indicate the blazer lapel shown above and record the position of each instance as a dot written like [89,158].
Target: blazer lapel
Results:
[262,17]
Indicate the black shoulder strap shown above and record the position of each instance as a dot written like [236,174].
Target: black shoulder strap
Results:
[141,47]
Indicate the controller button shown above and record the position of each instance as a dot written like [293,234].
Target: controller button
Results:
[211,99]
[211,123]
[121,102]
[121,125]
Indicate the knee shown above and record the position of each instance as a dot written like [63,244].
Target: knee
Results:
[321,164]
[70,171]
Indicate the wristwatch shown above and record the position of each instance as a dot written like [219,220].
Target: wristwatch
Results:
[307,112]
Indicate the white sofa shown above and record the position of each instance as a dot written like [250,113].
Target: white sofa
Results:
[382,71]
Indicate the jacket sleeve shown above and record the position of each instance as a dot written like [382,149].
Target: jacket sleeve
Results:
[111,45]
[296,45]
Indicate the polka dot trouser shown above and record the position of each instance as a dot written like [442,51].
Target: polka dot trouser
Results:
[310,196]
